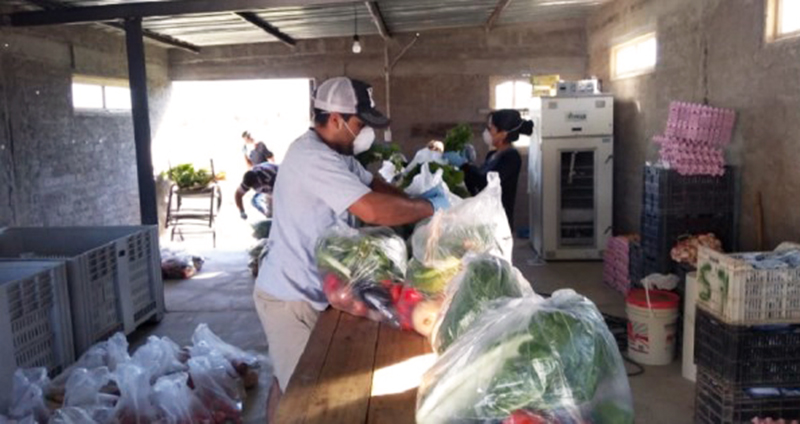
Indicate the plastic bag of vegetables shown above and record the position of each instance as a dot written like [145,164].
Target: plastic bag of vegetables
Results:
[553,360]
[477,225]
[484,278]
[363,271]
[428,178]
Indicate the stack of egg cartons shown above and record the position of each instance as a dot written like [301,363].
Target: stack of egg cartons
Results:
[695,137]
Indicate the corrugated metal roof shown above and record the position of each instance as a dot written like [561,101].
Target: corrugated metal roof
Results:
[337,20]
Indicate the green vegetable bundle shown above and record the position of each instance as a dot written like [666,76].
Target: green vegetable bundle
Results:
[554,358]
[379,152]
[186,177]
[458,138]
[374,254]
[432,281]
[485,278]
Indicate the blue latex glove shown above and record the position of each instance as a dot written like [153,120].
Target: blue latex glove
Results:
[437,198]
[456,159]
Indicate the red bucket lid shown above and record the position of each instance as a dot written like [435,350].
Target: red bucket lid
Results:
[659,299]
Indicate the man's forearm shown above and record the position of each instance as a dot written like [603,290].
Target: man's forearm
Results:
[381,186]
[390,210]
[238,197]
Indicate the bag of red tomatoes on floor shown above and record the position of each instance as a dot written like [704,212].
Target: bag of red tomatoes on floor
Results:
[363,272]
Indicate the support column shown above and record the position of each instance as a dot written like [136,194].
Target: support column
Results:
[137,74]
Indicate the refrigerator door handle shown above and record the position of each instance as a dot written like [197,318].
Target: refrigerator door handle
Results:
[609,159]
[607,231]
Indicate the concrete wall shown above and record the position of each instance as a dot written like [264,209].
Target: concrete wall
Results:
[714,50]
[442,81]
[60,166]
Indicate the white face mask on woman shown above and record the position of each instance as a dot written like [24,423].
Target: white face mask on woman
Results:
[487,138]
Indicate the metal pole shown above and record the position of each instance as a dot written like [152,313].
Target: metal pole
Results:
[137,73]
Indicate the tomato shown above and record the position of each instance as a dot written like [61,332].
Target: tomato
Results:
[358,309]
[330,283]
[522,416]
[396,290]
[411,296]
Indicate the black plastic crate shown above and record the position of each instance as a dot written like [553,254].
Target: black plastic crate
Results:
[747,355]
[635,264]
[660,233]
[667,192]
[720,402]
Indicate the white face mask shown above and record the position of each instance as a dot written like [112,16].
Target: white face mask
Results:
[363,140]
[487,138]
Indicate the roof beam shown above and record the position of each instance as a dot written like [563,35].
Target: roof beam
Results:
[377,18]
[498,10]
[267,27]
[165,40]
[112,12]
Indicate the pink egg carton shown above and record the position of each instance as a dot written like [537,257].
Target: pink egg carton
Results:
[700,123]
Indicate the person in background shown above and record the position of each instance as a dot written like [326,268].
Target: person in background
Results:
[320,184]
[255,152]
[261,179]
[503,128]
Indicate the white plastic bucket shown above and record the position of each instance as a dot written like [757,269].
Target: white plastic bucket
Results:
[688,368]
[652,324]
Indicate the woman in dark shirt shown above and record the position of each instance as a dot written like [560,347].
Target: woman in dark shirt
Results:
[502,129]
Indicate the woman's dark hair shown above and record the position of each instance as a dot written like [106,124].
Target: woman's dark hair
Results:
[246,134]
[321,117]
[510,121]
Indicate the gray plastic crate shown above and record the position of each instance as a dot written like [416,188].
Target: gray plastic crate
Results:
[35,320]
[114,274]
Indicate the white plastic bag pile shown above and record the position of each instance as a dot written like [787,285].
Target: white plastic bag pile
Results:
[160,383]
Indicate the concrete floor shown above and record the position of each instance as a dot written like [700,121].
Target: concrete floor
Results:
[221,297]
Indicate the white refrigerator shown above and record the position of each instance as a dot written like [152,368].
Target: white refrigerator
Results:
[571,164]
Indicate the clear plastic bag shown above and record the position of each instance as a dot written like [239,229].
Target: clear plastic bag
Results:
[477,225]
[27,401]
[179,265]
[72,415]
[553,358]
[427,180]
[483,278]
[176,403]
[159,356]
[217,385]
[134,405]
[423,156]
[109,354]
[245,363]
[361,270]
[87,388]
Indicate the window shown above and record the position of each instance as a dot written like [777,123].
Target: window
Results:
[100,94]
[783,19]
[634,57]
[513,94]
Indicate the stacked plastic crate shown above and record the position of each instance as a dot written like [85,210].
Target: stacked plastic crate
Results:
[35,320]
[617,263]
[675,206]
[113,274]
[747,341]
[695,137]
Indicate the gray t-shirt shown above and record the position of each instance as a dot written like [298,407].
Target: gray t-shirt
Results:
[313,191]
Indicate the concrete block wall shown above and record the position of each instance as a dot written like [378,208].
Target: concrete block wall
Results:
[708,50]
[61,166]
[442,81]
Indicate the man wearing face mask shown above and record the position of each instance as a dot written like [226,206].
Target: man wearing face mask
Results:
[503,127]
[319,185]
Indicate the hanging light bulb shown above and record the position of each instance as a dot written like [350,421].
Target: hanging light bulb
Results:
[356,41]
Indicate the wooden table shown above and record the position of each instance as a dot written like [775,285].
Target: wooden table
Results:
[356,371]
